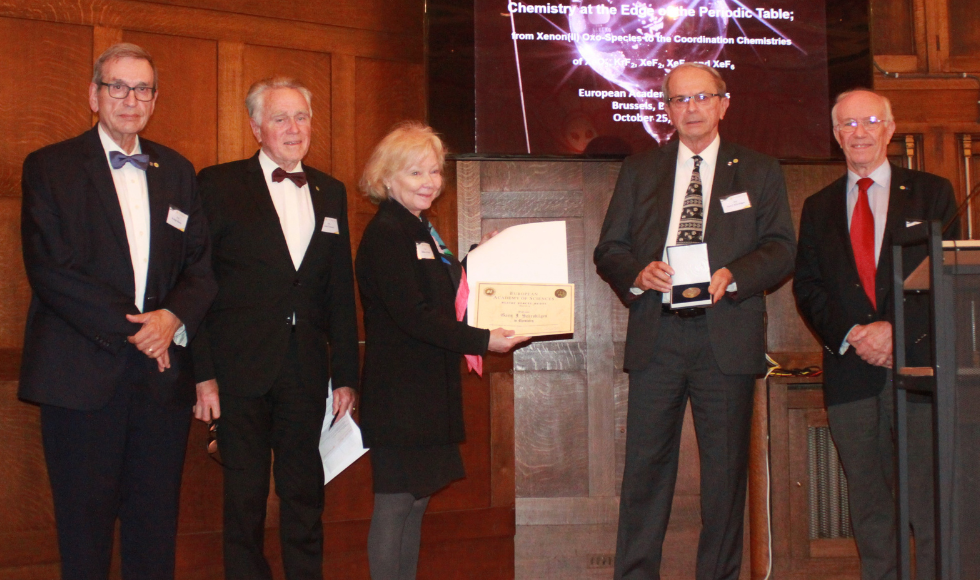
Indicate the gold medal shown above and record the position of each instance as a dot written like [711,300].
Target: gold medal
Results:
[691,293]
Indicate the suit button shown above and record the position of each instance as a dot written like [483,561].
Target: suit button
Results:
[297,283]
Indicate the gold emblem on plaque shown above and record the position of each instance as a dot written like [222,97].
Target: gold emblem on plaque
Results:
[488,291]
[691,293]
[561,293]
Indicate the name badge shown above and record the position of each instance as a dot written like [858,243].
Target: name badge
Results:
[736,202]
[177,218]
[424,251]
[330,226]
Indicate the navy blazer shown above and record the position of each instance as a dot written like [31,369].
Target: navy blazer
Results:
[412,390]
[828,289]
[245,337]
[756,244]
[78,264]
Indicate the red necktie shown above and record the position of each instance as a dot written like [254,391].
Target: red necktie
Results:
[863,239]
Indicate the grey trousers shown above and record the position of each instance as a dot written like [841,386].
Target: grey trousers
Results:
[684,368]
[865,438]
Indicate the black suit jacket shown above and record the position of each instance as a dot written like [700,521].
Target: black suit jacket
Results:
[756,244]
[78,263]
[412,392]
[829,292]
[246,334]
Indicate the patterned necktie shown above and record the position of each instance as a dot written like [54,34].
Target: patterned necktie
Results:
[299,178]
[473,362]
[691,226]
[140,160]
[863,239]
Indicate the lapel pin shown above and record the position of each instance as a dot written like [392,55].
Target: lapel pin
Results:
[901,187]
[317,187]
[729,163]
[735,160]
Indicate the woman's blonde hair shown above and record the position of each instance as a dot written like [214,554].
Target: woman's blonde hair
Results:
[407,143]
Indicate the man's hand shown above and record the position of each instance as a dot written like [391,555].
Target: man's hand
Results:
[873,342]
[155,337]
[656,276]
[343,401]
[208,406]
[720,281]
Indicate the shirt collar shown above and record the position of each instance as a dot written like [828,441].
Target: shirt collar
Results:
[881,176]
[268,165]
[108,145]
[709,156]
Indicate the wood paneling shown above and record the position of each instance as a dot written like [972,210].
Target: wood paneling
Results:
[47,67]
[898,37]
[200,23]
[185,117]
[964,28]
[550,412]
[15,293]
[396,17]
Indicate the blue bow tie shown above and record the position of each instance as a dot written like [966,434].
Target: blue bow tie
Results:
[140,160]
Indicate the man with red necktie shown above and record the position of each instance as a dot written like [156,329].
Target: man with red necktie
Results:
[282,259]
[843,287]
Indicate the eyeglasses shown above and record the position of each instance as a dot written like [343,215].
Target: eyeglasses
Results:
[869,124]
[699,98]
[121,91]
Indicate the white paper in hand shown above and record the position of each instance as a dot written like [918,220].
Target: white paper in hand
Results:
[534,253]
[340,445]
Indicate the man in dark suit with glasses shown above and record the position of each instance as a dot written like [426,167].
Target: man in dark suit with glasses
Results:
[117,254]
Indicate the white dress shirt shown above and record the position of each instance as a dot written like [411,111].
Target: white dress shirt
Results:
[682,180]
[295,209]
[134,201]
[878,195]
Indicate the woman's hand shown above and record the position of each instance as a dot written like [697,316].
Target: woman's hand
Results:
[504,340]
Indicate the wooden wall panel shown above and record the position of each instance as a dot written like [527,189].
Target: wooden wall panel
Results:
[964,28]
[15,293]
[185,117]
[44,98]
[898,37]
[313,69]
[550,414]
[395,17]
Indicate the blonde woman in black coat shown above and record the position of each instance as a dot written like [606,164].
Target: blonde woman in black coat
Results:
[411,401]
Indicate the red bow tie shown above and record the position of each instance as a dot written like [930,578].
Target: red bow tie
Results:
[299,178]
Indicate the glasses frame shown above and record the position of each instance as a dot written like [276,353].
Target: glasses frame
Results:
[108,90]
[869,124]
[699,99]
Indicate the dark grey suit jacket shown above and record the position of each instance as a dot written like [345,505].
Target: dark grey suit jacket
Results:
[756,244]
[829,292]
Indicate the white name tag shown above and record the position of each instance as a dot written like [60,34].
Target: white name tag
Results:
[177,218]
[910,224]
[330,226]
[424,251]
[736,202]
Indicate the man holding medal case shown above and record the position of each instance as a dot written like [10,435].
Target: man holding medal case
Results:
[724,209]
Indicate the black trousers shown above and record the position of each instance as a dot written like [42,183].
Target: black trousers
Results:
[286,423]
[121,461]
[684,368]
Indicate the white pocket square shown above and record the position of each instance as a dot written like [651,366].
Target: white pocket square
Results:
[912,223]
